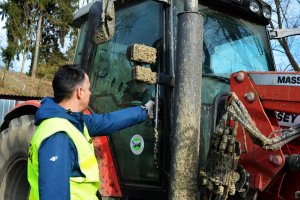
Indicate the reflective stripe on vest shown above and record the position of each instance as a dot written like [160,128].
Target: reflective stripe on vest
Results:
[81,188]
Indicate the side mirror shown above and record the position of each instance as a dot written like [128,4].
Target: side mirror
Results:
[100,17]
[101,21]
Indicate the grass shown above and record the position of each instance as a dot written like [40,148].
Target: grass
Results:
[19,84]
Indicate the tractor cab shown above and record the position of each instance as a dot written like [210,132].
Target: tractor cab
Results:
[234,38]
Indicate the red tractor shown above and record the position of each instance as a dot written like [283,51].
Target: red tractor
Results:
[221,119]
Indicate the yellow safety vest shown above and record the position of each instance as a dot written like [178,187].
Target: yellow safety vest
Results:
[81,188]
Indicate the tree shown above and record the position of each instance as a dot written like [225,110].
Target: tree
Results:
[14,32]
[286,15]
[51,41]
[43,26]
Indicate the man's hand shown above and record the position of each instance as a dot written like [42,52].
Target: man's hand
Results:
[149,105]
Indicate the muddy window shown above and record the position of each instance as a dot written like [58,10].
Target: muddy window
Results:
[113,88]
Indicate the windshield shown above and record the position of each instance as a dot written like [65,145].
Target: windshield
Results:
[232,45]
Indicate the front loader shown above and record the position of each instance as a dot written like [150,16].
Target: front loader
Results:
[217,131]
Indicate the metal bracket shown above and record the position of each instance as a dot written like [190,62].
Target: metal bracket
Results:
[281,33]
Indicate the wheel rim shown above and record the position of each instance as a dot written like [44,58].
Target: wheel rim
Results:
[16,184]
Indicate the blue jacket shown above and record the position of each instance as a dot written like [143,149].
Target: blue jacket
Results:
[54,177]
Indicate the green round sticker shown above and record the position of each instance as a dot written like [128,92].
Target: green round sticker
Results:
[137,144]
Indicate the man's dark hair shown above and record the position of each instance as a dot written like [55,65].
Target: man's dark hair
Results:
[65,81]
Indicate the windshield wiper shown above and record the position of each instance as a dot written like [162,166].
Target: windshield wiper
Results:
[222,78]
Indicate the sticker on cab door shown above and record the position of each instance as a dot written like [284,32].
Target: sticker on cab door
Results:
[137,144]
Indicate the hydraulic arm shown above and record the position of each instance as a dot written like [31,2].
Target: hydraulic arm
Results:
[249,148]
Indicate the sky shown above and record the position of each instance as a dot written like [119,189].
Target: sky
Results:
[290,9]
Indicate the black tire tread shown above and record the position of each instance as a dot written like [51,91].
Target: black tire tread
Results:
[14,143]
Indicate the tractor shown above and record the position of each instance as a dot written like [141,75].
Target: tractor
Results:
[216,132]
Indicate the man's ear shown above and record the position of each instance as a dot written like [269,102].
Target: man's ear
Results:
[78,93]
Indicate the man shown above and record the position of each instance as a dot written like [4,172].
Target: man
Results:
[61,160]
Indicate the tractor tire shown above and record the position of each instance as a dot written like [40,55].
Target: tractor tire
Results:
[14,143]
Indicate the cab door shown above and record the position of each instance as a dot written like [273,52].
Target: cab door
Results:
[113,88]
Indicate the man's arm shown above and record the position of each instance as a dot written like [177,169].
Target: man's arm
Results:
[102,124]
[56,157]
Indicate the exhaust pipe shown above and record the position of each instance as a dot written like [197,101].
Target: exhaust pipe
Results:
[187,110]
